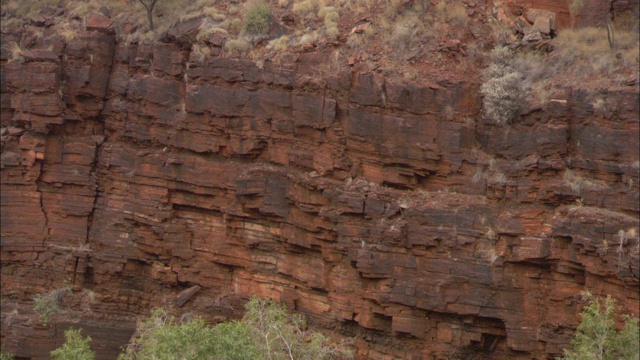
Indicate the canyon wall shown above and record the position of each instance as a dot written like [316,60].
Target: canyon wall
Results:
[383,210]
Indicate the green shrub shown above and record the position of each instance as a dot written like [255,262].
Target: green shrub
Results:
[46,305]
[256,20]
[161,337]
[597,337]
[267,331]
[6,356]
[75,348]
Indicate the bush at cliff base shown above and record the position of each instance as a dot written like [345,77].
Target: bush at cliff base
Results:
[267,331]
[75,348]
[597,337]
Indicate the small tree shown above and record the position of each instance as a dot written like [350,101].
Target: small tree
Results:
[149,5]
[597,337]
[161,337]
[75,348]
[267,331]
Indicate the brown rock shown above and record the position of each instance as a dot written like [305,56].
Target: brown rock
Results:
[533,15]
[41,55]
[100,23]
[530,34]
[351,198]
[543,25]
[186,295]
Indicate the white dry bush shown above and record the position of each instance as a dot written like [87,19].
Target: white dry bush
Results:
[502,89]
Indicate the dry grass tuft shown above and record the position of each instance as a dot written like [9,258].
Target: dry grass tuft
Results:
[454,14]
[15,53]
[257,18]
[331,17]
[200,52]
[585,53]
[577,183]
[209,28]
[407,32]
[306,7]
[240,45]
[280,44]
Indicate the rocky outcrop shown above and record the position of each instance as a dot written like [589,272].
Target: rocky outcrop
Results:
[383,210]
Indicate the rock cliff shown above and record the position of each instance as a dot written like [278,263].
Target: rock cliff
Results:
[384,210]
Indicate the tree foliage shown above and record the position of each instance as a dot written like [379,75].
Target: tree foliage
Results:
[597,337]
[267,331]
[75,348]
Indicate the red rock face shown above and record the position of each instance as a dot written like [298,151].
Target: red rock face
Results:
[377,208]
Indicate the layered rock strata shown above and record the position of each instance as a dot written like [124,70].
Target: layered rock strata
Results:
[383,210]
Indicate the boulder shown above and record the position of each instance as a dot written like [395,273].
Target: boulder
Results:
[533,14]
[100,23]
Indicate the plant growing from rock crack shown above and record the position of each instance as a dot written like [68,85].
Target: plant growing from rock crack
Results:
[48,304]
[45,305]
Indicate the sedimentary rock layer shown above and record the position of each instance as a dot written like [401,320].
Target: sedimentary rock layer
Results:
[383,210]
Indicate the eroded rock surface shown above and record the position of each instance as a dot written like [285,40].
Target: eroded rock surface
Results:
[378,208]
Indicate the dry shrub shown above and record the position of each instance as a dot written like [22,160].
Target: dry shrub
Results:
[454,14]
[280,44]
[15,53]
[200,52]
[391,9]
[356,41]
[331,17]
[235,25]
[502,89]
[585,53]
[577,183]
[310,37]
[208,28]
[502,33]
[407,32]
[68,31]
[306,7]
[240,45]
[582,56]
[27,8]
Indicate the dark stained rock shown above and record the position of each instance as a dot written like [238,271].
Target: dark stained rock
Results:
[186,295]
